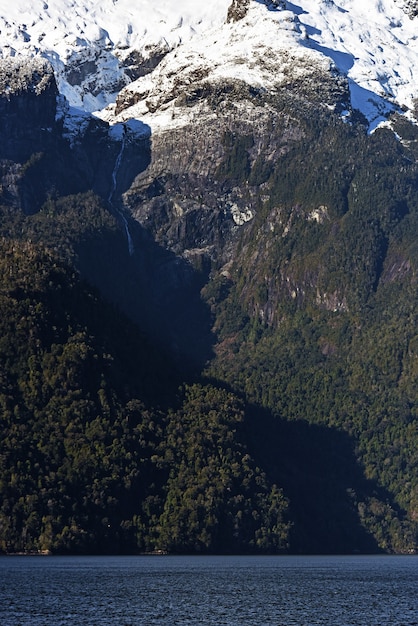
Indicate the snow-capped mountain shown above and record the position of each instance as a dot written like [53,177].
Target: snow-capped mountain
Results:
[215,171]
[152,50]
[96,47]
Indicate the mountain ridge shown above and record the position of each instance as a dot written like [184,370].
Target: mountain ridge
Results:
[219,291]
[94,49]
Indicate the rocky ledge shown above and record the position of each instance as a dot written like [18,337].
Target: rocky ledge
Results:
[28,104]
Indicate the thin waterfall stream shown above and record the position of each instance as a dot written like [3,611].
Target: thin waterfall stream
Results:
[120,215]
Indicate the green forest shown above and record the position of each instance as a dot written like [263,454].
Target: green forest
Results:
[286,421]
[103,448]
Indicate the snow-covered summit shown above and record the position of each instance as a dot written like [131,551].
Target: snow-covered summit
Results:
[99,48]
[93,45]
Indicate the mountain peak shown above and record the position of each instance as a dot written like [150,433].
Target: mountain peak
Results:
[98,49]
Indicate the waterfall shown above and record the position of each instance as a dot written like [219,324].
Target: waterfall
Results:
[120,214]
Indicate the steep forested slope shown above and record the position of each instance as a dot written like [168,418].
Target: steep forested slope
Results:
[318,317]
[99,453]
[242,375]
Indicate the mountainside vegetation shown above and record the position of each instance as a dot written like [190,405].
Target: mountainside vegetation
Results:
[317,318]
[246,379]
[100,450]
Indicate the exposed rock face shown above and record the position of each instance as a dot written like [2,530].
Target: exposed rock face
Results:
[237,10]
[411,7]
[36,158]
[137,64]
[196,196]
[198,188]
[28,103]
[187,199]
[19,76]
[206,184]
[96,76]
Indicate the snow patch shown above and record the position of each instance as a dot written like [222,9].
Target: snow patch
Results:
[373,42]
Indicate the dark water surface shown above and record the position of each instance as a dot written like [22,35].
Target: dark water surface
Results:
[230,591]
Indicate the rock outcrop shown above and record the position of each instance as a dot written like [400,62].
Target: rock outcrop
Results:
[237,10]
[38,156]
[28,104]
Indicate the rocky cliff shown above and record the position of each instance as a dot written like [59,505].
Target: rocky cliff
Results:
[47,149]
[28,104]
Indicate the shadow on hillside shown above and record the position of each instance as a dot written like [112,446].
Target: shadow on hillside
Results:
[43,163]
[156,289]
[319,473]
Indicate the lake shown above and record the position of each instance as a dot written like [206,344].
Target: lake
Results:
[203,591]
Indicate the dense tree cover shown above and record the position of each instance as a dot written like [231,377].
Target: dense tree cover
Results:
[92,458]
[301,432]
[64,455]
[216,496]
[317,322]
